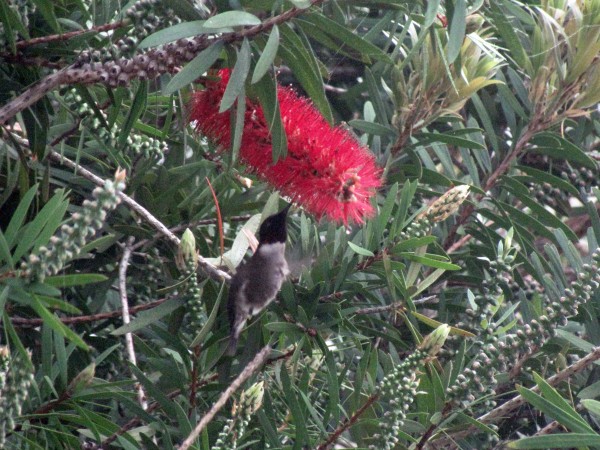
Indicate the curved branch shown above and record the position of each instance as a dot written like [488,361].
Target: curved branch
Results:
[145,65]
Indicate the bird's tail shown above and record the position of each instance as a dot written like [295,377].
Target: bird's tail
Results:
[232,346]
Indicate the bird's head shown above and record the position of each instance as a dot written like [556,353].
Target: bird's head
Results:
[273,229]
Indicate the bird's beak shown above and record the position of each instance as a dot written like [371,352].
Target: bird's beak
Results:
[285,210]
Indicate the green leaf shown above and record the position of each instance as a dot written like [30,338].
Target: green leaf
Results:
[413,243]
[346,38]
[238,77]
[210,321]
[303,64]
[137,110]
[62,281]
[46,8]
[558,409]
[557,147]
[430,260]
[563,440]
[179,31]
[457,28]
[54,322]
[43,226]
[195,68]
[373,128]
[148,317]
[18,216]
[427,138]
[232,19]
[55,303]
[5,255]
[267,56]
[508,33]
[266,91]
[360,250]
[539,176]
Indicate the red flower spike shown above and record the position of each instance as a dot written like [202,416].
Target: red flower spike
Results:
[326,169]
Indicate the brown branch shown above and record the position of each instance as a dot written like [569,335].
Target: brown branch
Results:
[209,269]
[71,34]
[23,322]
[252,367]
[506,409]
[333,437]
[504,166]
[143,66]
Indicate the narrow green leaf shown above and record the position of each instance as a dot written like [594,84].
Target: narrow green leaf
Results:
[563,440]
[137,110]
[5,255]
[55,303]
[508,33]
[47,10]
[266,91]
[446,138]
[303,64]
[557,147]
[430,260]
[267,56]
[148,317]
[179,31]
[457,28]
[360,250]
[232,19]
[559,411]
[238,77]
[346,38]
[195,68]
[54,322]
[210,321]
[18,216]
[62,281]
[433,7]
[43,226]
[372,128]
[292,402]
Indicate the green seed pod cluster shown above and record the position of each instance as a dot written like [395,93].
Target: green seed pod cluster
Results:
[187,261]
[15,380]
[399,388]
[67,243]
[235,427]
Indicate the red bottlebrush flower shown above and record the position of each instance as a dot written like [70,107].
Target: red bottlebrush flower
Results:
[326,169]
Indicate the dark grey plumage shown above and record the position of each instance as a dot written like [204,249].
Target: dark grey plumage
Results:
[257,281]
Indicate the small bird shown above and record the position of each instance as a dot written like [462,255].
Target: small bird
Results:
[257,282]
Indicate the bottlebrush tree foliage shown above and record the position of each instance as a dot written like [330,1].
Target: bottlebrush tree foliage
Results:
[442,158]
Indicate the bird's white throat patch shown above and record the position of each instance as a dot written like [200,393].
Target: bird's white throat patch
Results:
[275,248]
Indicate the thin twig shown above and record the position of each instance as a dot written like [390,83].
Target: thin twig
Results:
[210,270]
[110,76]
[252,367]
[506,409]
[126,318]
[333,437]
[394,306]
[24,322]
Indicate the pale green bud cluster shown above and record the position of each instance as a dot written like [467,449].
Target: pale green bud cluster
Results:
[187,261]
[399,388]
[235,427]
[68,241]
[15,379]
[136,144]
[495,351]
